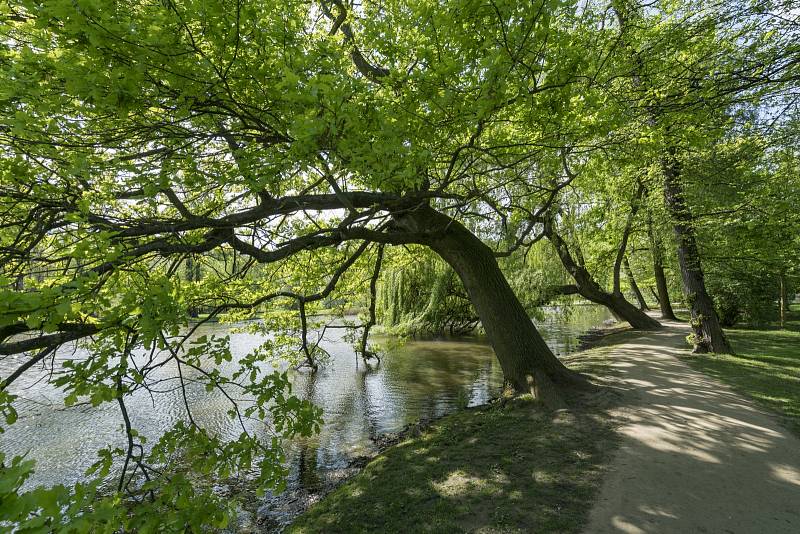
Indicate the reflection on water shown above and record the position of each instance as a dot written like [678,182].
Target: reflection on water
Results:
[419,380]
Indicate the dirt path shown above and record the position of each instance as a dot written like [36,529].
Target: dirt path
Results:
[695,456]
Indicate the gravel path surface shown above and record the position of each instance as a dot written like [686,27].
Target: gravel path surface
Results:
[695,456]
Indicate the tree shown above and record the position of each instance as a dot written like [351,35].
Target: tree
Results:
[748,221]
[589,207]
[702,62]
[286,146]
[634,286]
[657,253]
[685,108]
[297,136]
[420,294]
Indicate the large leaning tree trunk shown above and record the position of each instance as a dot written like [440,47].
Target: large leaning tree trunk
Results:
[528,363]
[658,272]
[708,334]
[588,288]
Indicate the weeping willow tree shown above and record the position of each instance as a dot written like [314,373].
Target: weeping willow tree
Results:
[538,277]
[421,295]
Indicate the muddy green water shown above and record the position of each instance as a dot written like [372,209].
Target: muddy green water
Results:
[418,380]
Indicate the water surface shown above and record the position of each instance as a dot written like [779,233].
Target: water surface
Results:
[416,380]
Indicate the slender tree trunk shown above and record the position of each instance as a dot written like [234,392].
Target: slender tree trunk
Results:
[708,334]
[663,291]
[784,299]
[634,286]
[528,363]
[192,276]
[587,287]
[623,244]
[655,295]
[658,271]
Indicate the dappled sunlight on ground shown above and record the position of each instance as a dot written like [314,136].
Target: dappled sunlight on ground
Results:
[695,456]
[787,473]
[512,469]
[622,525]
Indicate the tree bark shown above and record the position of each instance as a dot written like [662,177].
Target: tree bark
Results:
[591,290]
[528,364]
[192,275]
[623,244]
[708,334]
[634,286]
[783,299]
[658,271]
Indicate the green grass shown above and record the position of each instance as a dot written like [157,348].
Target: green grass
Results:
[523,469]
[793,318]
[516,468]
[766,367]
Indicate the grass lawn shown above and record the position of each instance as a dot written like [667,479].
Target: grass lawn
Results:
[516,468]
[766,367]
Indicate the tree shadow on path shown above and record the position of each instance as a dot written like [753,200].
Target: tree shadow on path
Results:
[695,456]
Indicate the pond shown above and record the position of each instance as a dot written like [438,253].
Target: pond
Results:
[416,381]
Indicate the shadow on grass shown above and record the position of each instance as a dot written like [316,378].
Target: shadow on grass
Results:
[766,367]
[511,469]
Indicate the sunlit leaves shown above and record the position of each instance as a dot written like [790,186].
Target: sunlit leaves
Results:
[136,134]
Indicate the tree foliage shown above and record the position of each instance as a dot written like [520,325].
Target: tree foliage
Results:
[251,160]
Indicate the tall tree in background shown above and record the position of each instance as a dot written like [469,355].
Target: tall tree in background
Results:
[592,231]
[657,254]
[691,67]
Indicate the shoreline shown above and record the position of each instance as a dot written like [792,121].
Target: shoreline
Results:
[472,467]
[594,337]
[257,518]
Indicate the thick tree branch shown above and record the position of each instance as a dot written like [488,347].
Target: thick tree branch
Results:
[367,69]
[68,333]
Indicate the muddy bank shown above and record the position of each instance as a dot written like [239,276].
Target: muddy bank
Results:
[274,512]
[595,337]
